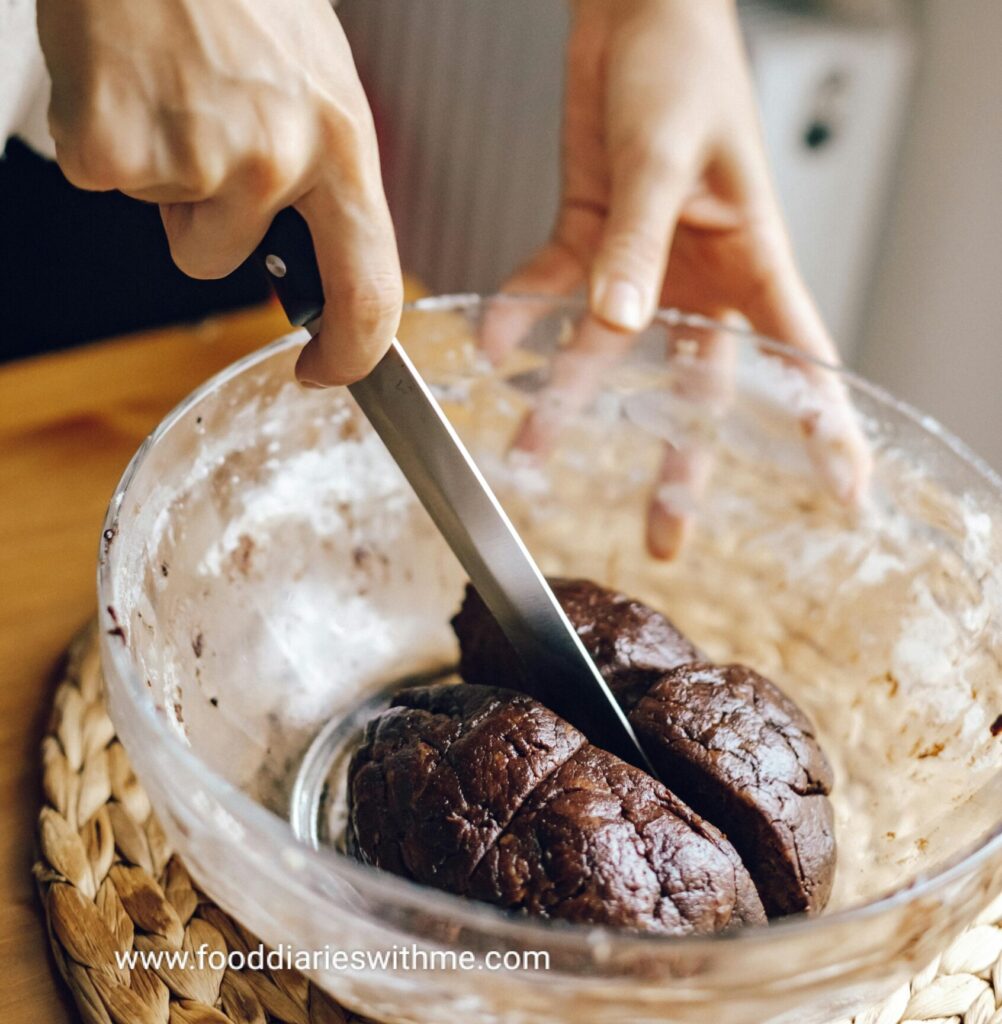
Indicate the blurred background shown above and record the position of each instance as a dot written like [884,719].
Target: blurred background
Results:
[883,120]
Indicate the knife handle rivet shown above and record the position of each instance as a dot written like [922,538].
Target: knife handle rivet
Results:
[275,265]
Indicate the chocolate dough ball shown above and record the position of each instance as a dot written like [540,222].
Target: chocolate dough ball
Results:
[726,740]
[440,773]
[742,754]
[601,842]
[485,793]
[631,644]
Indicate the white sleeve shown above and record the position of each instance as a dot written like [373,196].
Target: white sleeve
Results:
[24,82]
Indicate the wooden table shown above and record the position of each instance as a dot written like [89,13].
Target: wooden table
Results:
[69,423]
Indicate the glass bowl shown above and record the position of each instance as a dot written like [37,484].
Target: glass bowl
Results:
[265,571]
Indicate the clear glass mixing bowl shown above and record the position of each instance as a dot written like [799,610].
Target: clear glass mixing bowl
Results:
[265,570]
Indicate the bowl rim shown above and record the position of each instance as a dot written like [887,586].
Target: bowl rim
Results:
[410,895]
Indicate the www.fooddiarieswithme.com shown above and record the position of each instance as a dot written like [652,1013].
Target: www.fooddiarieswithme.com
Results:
[396,958]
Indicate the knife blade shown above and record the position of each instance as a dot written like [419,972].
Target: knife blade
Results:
[418,435]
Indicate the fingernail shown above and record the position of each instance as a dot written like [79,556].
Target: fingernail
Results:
[311,385]
[618,302]
[666,534]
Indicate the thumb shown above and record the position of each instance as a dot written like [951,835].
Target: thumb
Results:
[363,287]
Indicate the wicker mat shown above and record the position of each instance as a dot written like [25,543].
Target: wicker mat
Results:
[108,882]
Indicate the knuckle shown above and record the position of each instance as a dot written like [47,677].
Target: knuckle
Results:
[92,150]
[271,172]
[338,130]
[653,159]
[374,305]
[199,174]
[87,163]
[79,172]
[633,250]
[264,174]
[668,162]
[342,123]
[349,135]
[193,157]
[94,159]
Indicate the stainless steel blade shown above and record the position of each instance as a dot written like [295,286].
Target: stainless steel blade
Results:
[420,438]
[412,425]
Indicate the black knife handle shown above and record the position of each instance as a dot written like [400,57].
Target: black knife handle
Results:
[287,255]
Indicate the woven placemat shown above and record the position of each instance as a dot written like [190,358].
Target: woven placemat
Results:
[109,883]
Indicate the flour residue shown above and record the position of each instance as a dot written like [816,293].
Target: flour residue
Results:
[279,569]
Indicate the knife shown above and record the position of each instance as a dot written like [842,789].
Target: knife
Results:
[410,422]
